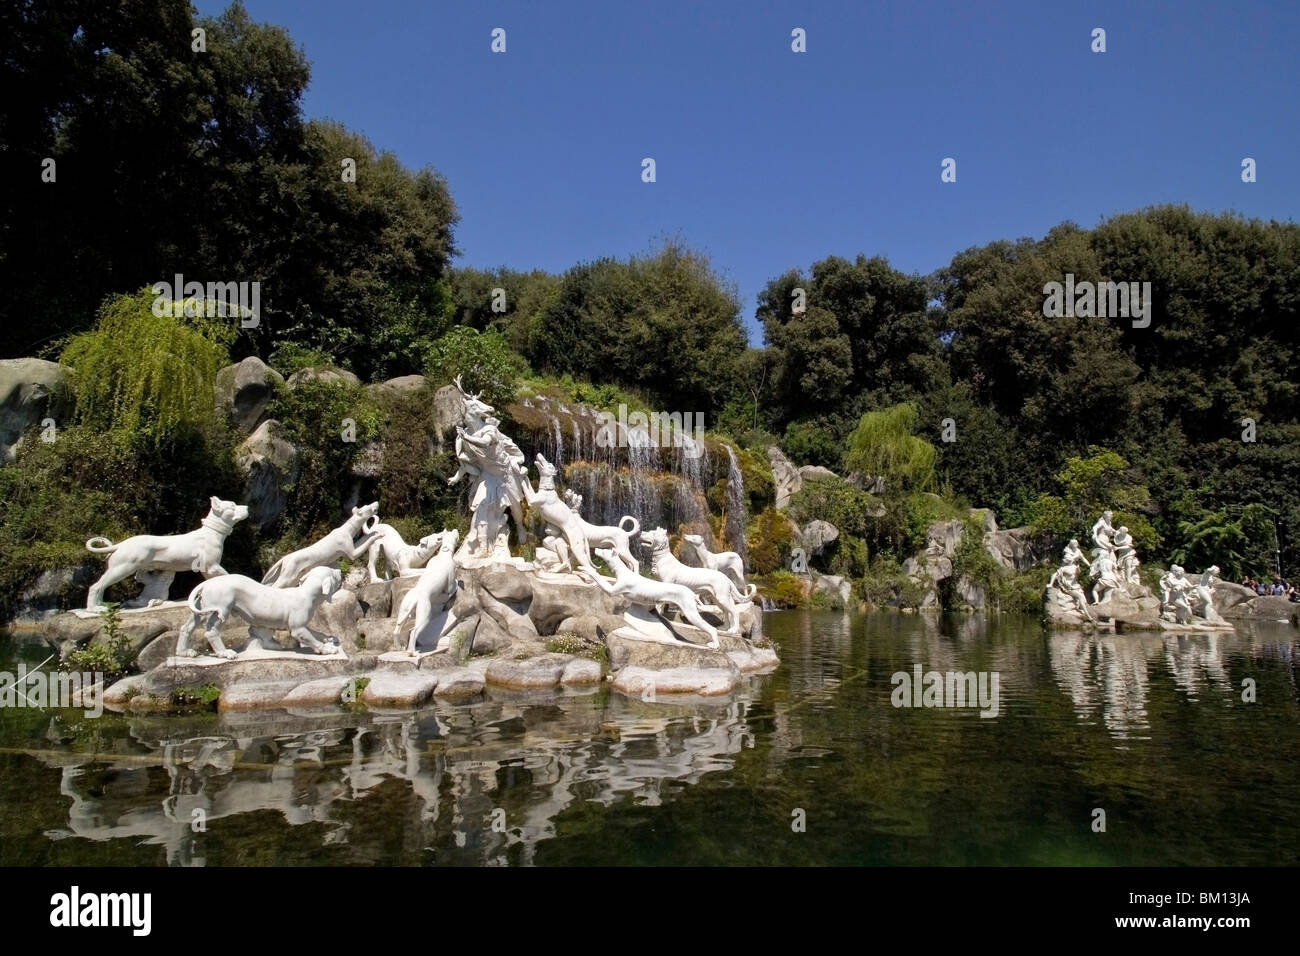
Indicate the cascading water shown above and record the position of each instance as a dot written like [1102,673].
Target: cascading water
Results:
[735,523]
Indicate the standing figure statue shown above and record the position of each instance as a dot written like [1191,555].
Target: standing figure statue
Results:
[1204,594]
[1102,531]
[1105,574]
[495,466]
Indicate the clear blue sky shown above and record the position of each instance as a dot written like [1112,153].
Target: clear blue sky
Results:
[768,159]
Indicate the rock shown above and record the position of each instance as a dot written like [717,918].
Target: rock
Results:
[448,412]
[872,484]
[400,689]
[505,582]
[785,475]
[1018,549]
[542,671]
[376,600]
[556,600]
[377,634]
[839,589]
[1263,608]
[327,374]
[816,535]
[1228,595]
[650,684]
[459,683]
[969,595]
[269,463]
[255,695]
[55,590]
[31,390]
[338,618]
[591,627]
[580,670]
[396,388]
[987,518]
[626,649]
[243,391]
[369,462]
[325,692]
[815,473]
[158,650]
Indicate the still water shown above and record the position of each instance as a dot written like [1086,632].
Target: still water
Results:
[811,764]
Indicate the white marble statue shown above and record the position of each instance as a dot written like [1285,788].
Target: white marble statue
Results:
[402,559]
[1102,531]
[728,562]
[495,466]
[723,590]
[432,596]
[264,608]
[648,592]
[1106,576]
[1074,554]
[1175,594]
[1203,595]
[1066,580]
[349,540]
[155,559]
[580,537]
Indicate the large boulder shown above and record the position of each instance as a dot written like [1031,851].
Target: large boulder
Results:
[269,462]
[396,388]
[243,392]
[1018,549]
[1265,608]
[327,374]
[817,534]
[785,475]
[31,390]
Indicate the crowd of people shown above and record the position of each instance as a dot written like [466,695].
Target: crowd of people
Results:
[1278,588]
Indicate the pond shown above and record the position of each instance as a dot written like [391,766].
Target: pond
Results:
[812,764]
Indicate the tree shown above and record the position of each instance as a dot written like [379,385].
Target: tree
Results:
[884,444]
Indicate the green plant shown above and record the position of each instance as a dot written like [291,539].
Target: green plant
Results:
[199,697]
[784,589]
[110,654]
[578,646]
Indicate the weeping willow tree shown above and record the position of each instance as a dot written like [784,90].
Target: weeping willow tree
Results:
[140,376]
[883,444]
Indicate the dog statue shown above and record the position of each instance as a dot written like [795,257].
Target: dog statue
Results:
[434,592]
[667,568]
[728,562]
[264,608]
[349,540]
[402,559]
[564,522]
[155,559]
[649,593]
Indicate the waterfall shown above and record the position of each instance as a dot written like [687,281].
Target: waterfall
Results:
[661,483]
[735,523]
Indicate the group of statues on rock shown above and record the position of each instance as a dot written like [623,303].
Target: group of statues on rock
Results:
[1114,567]
[294,587]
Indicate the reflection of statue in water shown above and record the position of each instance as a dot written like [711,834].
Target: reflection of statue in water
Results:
[495,466]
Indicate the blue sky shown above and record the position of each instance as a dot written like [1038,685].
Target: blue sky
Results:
[769,160]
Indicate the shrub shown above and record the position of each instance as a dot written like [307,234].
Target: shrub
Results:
[784,589]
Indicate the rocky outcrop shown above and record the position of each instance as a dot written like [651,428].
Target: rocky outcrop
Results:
[815,473]
[396,388]
[448,412]
[243,392]
[785,476]
[31,390]
[269,462]
[1019,549]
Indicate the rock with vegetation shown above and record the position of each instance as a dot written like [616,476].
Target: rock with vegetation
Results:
[243,392]
[31,391]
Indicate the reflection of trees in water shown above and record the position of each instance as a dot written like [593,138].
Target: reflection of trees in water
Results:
[456,767]
[1109,671]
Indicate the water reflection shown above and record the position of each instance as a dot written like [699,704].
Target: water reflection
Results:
[462,766]
[1111,672]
